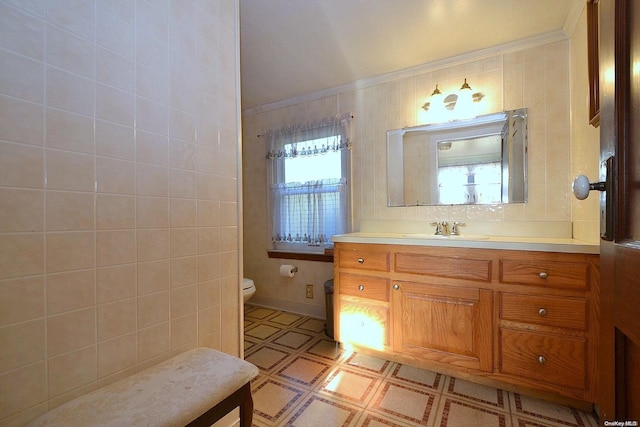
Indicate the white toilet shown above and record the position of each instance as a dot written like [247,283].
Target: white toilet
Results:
[248,289]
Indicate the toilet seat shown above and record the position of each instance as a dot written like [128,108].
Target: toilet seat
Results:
[247,284]
[248,289]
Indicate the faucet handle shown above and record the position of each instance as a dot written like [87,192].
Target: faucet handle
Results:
[440,226]
[454,227]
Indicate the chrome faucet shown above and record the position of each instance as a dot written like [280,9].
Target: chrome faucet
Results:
[441,228]
[454,228]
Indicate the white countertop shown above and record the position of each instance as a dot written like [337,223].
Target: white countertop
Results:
[541,244]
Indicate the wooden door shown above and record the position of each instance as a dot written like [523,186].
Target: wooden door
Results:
[620,257]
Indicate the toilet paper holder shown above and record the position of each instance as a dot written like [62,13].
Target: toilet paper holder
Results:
[288,270]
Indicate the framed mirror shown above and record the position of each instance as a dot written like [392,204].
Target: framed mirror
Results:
[477,161]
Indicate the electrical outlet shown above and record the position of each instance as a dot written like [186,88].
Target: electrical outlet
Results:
[309,291]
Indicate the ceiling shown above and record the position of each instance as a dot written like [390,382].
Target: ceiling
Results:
[290,48]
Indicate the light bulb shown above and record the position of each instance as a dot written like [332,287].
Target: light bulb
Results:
[436,106]
[464,104]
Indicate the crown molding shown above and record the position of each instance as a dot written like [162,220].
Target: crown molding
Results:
[573,16]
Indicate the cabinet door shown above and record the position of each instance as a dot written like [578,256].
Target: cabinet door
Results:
[443,323]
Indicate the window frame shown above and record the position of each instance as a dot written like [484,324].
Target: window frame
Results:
[276,173]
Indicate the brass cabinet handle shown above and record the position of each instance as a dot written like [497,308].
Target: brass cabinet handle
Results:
[542,360]
[542,312]
[361,287]
[543,275]
[396,286]
[360,260]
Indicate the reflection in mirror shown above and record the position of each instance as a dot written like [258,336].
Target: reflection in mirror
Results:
[469,170]
[477,161]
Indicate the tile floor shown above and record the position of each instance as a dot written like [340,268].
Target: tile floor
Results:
[306,380]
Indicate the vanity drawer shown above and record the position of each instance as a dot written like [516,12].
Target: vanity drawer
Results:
[542,357]
[452,267]
[542,310]
[547,273]
[376,288]
[364,324]
[363,259]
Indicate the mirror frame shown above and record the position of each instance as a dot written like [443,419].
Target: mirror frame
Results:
[460,129]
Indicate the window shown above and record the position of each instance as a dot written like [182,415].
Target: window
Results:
[309,192]
[470,184]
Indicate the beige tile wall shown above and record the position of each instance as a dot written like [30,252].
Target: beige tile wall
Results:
[118,191]
[537,78]
[585,140]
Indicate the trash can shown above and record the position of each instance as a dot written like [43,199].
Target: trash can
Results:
[328,298]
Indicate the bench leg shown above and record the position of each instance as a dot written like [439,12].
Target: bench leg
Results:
[241,399]
[246,406]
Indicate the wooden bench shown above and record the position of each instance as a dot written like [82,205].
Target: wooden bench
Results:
[195,388]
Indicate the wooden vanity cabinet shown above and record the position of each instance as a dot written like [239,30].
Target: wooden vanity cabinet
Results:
[526,321]
[442,313]
[445,324]
[547,321]
[362,316]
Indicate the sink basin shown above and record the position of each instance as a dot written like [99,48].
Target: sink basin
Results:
[448,237]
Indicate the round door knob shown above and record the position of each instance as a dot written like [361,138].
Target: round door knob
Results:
[360,260]
[543,275]
[542,312]
[542,360]
[361,287]
[581,187]
[396,286]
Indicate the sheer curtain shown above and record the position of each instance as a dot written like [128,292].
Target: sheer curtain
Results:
[308,167]
[470,184]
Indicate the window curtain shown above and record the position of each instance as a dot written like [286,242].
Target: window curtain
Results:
[470,184]
[304,215]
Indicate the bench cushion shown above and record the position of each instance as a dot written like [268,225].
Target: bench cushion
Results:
[172,393]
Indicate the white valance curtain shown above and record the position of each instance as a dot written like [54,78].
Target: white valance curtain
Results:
[291,141]
[304,215]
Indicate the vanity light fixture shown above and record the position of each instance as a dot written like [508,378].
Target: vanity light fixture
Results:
[462,100]
[444,146]
[438,111]
[464,103]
